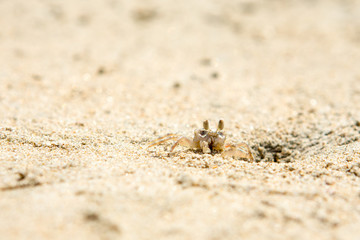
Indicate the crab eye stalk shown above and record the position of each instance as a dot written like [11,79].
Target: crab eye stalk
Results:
[221,125]
[206,125]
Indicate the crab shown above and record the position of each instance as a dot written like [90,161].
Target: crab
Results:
[209,142]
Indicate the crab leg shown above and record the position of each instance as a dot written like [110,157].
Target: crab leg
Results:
[183,141]
[163,139]
[240,150]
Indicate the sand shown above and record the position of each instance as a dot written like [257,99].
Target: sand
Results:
[86,85]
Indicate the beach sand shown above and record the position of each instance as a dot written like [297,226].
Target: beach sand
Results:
[86,85]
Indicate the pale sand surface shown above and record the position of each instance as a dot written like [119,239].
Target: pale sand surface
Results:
[85,85]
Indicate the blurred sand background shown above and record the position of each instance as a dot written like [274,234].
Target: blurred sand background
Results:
[85,85]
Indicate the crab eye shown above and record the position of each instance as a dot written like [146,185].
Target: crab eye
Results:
[221,135]
[203,132]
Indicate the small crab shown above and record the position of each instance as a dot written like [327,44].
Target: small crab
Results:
[208,141]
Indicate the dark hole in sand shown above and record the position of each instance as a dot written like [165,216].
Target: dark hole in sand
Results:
[303,137]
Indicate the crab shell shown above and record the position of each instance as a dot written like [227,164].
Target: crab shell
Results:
[215,139]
